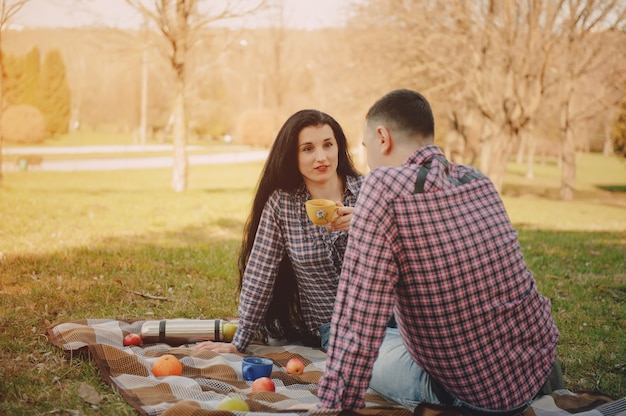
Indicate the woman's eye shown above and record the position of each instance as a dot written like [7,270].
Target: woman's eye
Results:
[328,144]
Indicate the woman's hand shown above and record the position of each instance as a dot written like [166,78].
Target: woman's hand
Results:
[220,347]
[344,214]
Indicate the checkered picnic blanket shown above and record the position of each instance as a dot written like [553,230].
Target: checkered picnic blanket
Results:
[209,377]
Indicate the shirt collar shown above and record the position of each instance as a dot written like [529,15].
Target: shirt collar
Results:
[352,185]
[422,154]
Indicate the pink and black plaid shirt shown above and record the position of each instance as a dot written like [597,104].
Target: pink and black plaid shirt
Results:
[448,263]
[316,257]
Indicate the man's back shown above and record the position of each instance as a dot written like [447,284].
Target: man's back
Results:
[431,242]
[449,264]
[468,307]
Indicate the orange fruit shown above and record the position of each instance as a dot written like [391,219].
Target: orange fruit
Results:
[167,365]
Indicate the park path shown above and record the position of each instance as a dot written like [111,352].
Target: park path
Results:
[80,163]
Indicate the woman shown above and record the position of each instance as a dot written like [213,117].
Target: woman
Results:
[288,267]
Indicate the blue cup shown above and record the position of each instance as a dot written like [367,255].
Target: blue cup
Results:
[256,367]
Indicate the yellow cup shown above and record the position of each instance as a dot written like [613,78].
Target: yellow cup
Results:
[321,211]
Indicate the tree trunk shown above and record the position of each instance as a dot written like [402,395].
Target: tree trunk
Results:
[568,147]
[523,145]
[179,173]
[485,154]
[607,148]
[1,102]
[1,146]
[568,170]
[498,150]
[143,122]
[530,158]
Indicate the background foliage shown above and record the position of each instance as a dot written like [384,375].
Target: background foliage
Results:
[40,86]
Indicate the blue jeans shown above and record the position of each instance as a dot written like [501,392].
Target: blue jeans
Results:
[324,335]
[397,377]
[324,331]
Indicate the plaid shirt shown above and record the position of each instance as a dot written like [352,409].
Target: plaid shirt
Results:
[448,263]
[316,257]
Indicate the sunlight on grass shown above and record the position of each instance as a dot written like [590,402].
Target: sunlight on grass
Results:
[535,202]
[89,244]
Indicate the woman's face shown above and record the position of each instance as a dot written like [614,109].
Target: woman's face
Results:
[318,154]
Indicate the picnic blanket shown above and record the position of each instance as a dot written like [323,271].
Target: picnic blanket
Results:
[210,377]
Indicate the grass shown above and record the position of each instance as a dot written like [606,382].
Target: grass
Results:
[78,245]
[52,149]
[99,138]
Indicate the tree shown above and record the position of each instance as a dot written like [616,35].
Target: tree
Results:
[31,78]
[180,22]
[494,57]
[23,123]
[618,131]
[485,60]
[12,80]
[8,9]
[581,51]
[54,90]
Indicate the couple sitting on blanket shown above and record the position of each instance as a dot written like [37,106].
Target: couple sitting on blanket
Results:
[429,245]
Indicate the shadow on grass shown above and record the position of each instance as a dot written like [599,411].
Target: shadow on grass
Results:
[613,188]
[195,268]
[194,271]
[190,273]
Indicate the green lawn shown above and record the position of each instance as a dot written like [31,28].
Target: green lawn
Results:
[78,245]
[101,138]
[65,147]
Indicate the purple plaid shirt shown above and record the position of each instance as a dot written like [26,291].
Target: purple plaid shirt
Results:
[448,263]
[316,257]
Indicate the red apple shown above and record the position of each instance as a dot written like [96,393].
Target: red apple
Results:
[295,366]
[263,384]
[132,339]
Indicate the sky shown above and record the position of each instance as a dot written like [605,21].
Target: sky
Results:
[305,14]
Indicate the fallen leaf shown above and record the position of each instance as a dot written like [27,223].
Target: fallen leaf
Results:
[88,393]
[147,295]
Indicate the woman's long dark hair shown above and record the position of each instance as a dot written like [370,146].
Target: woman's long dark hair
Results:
[283,319]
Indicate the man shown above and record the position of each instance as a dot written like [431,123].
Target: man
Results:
[431,243]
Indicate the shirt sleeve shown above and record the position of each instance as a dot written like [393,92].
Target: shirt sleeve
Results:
[364,302]
[260,274]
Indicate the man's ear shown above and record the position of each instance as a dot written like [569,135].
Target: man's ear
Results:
[384,139]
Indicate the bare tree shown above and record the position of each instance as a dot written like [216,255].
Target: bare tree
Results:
[506,74]
[277,76]
[583,49]
[8,9]
[485,58]
[180,22]
[494,57]
[611,94]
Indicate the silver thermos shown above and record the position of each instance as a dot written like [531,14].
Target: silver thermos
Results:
[184,331]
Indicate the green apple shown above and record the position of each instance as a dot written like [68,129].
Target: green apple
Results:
[229,331]
[233,403]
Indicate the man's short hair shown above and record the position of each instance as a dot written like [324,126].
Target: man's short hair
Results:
[405,111]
